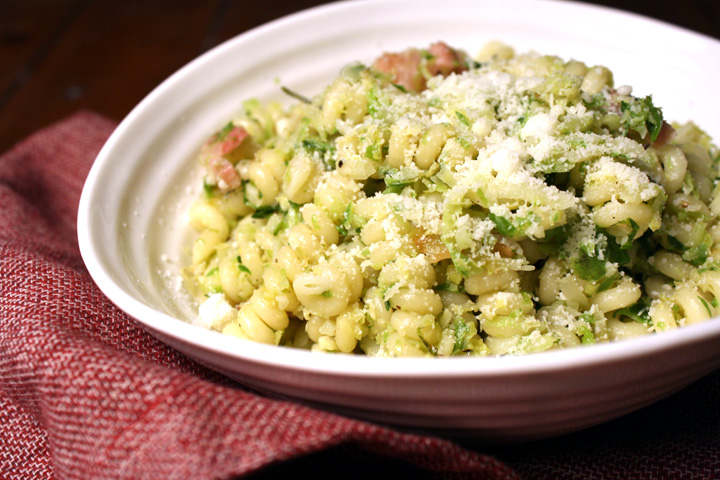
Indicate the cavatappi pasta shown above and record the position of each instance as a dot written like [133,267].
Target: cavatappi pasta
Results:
[434,204]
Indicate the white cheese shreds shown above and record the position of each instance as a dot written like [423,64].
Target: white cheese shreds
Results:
[434,205]
[216,312]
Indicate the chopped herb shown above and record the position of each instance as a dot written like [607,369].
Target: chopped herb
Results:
[554,239]
[374,152]
[642,116]
[638,312]
[463,119]
[482,199]
[462,332]
[464,142]
[296,95]
[249,188]
[345,225]
[212,272]
[654,120]
[462,263]
[388,305]
[434,184]
[353,71]
[577,143]
[326,150]
[689,184]
[290,218]
[265,211]
[515,226]
[317,145]
[242,267]
[634,227]
[587,317]
[327,294]
[707,307]
[395,187]
[696,255]
[373,102]
[450,287]
[209,189]
[503,225]
[620,156]
[399,87]
[615,252]
[315,223]
[220,136]
[432,349]
[606,284]
[586,334]
[587,264]
[594,102]
[434,102]
[674,244]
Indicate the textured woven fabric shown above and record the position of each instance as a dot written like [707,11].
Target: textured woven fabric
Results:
[85,393]
[675,439]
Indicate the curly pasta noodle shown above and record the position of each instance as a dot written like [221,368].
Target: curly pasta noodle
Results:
[433,204]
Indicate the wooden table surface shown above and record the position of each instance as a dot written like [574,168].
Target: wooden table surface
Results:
[60,56]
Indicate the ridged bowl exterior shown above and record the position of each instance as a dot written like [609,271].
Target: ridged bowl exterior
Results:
[133,230]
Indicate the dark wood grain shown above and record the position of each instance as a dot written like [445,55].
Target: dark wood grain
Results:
[237,12]
[25,38]
[107,57]
[702,16]
[60,56]
[64,56]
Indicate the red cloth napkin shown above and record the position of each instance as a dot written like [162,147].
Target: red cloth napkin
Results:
[85,393]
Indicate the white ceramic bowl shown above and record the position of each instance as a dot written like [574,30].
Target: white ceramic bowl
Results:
[133,231]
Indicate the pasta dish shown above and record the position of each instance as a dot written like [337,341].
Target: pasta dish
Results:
[436,204]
